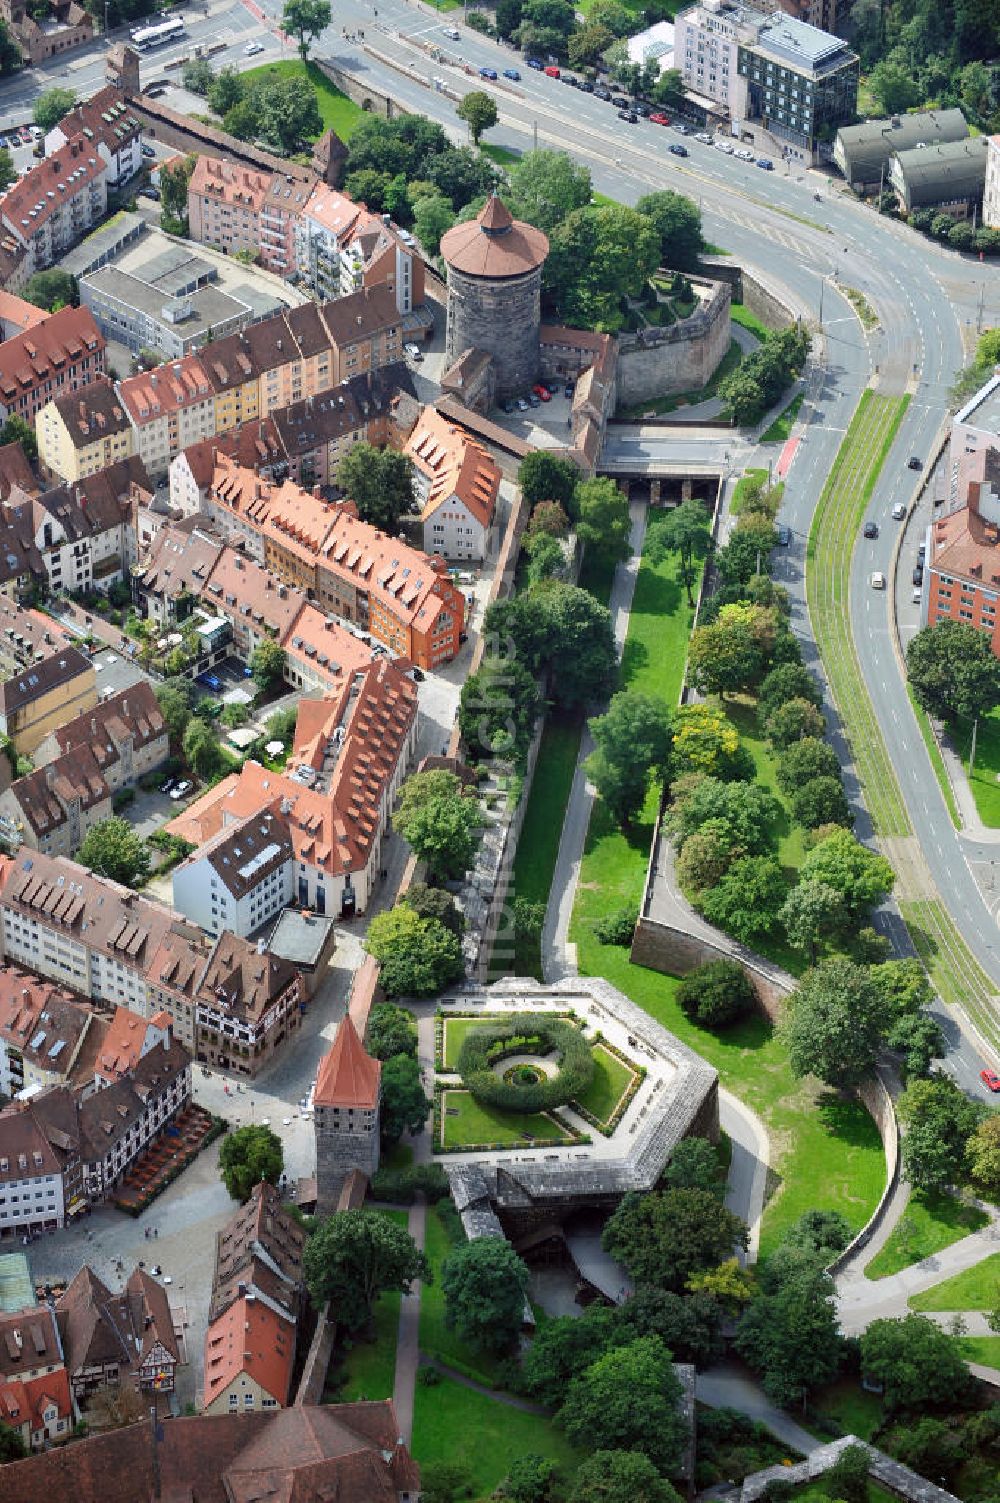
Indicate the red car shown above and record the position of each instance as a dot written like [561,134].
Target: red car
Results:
[990,1079]
[659,119]
[542,393]
[551,72]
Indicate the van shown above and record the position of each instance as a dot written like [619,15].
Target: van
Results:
[878,581]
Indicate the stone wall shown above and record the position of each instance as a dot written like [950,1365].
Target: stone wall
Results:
[363,94]
[750,289]
[187,135]
[313,1379]
[682,357]
[501,317]
[661,947]
[883,1469]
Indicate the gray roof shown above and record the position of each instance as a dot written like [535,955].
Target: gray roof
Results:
[799,43]
[863,150]
[938,174]
[300,937]
[208,307]
[104,243]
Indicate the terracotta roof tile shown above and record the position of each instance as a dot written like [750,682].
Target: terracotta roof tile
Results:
[348,1077]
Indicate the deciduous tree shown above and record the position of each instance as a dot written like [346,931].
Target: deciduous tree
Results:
[694,1165]
[632,750]
[51,105]
[248,1156]
[851,868]
[732,654]
[479,111]
[355,1256]
[792,1338]
[812,912]
[629,1399]
[112,849]
[305,20]
[545,477]
[686,531]
[915,1360]
[664,1237]
[435,903]
[952,671]
[834,1023]
[391,1030]
[620,1477]
[404,1104]
[52,289]
[603,524]
[380,483]
[267,662]
[498,707]
[202,751]
[747,899]
[715,994]
[677,221]
[418,957]
[440,821]
[795,720]
[705,740]
[983,1158]
[598,256]
[741,813]
[433,216]
[485,1285]
[821,801]
[938,1120]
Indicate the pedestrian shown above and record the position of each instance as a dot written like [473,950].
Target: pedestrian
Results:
[156,1231]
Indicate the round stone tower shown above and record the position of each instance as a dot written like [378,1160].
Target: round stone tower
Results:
[495,292]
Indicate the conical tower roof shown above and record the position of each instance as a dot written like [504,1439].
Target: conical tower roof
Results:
[493,245]
[348,1076]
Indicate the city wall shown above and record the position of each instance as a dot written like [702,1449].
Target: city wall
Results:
[681,357]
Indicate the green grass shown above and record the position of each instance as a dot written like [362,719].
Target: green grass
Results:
[929,1224]
[782,426]
[825,1152]
[741,314]
[790,837]
[368,1368]
[451,1423]
[956,974]
[850,1407]
[502,156]
[436,1337]
[538,846]
[975,1288]
[862,307]
[832,537]
[986,771]
[751,477]
[660,405]
[982,1349]
[611,1080]
[937,761]
[336,111]
[476,1123]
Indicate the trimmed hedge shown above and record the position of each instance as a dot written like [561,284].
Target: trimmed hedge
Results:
[483,1047]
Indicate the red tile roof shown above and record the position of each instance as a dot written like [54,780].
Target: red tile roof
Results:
[453,465]
[50,349]
[249,1338]
[493,245]
[54,182]
[348,1077]
[25,1402]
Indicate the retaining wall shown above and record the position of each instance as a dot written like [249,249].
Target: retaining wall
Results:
[317,1363]
[366,95]
[893,1475]
[682,357]
[749,288]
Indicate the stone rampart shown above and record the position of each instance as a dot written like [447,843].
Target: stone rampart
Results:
[682,357]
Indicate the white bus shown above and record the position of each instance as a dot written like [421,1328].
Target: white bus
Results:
[160,34]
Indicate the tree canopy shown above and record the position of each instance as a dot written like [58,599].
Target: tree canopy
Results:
[52,289]
[305,20]
[677,221]
[620,1477]
[545,477]
[685,530]
[267,662]
[247,1156]
[628,1399]
[938,1121]
[560,629]
[545,187]
[952,671]
[632,742]
[479,111]
[380,483]
[355,1256]
[791,1336]
[747,898]
[419,957]
[915,1360]
[404,1104]
[715,994]
[834,1023]
[440,821]
[112,849]
[858,874]
[665,1236]
[485,1285]
[391,1030]
[599,255]
[604,525]
[51,105]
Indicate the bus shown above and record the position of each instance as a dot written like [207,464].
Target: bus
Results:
[160,34]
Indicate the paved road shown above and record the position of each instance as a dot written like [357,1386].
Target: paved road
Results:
[731,1387]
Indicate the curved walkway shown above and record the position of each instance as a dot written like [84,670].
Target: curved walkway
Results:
[861,1300]
[731,1387]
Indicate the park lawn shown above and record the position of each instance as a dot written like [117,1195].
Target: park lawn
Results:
[851,1409]
[660,622]
[538,845]
[477,1124]
[985,780]
[368,1368]
[612,1079]
[336,111]
[929,1224]
[982,1349]
[451,1423]
[455,1030]
[436,1338]
[976,1288]
[783,423]
[501,156]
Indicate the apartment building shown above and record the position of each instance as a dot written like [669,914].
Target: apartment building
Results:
[128,1039]
[249,1359]
[62,26]
[169,408]
[106,122]
[53,206]
[167,581]
[991,191]
[254,446]
[340,246]
[34,701]
[35,1398]
[126,734]
[313,435]
[259,1251]
[40,1178]
[255,603]
[367,332]
[962,562]
[457,484]
[60,355]
[240,880]
[706,50]
[240,209]
[351,752]
[84,431]
[248,1003]
[47,1036]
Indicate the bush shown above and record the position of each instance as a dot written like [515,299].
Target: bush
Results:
[554,1035]
[716,994]
[617,928]
[403,1185]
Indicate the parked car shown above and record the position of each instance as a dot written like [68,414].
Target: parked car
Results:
[147,151]
[659,119]
[990,1079]
[765,163]
[452,32]
[210,681]
[643,109]
[899,511]
[149,192]
[921,553]
[522,405]
[25,135]
[743,154]
[571,79]
[413,350]
[488,73]
[878,581]
[586,86]
[682,129]
[914,462]
[179,789]
[629,116]
[167,785]
[600,92]
[702,135]
[542,393]
[508,406]
[534,62]
[534,401]
[871,529]
[918,574]
[551,71]
[721,145]
[918,596]
[678,150]
[513,74]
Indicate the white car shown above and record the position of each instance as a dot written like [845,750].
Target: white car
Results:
[252,48]
[725,146]
[452,32]
[413,350]
[918,596]
[743,154]
[878,581]
[899,511]
[702,135]
[184,786]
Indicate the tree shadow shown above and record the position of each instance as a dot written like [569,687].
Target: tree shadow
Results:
[846,1118]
